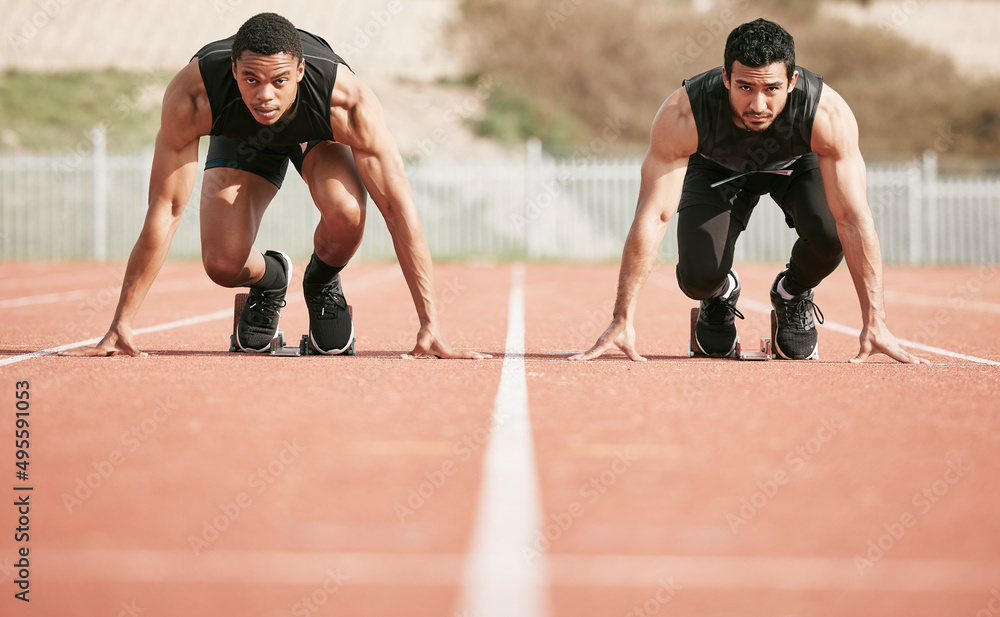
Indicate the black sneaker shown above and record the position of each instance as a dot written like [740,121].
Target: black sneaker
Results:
[795,335]
[715,332]
[331,330]
[259,319]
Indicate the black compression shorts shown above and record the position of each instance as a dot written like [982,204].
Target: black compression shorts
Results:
[267,162]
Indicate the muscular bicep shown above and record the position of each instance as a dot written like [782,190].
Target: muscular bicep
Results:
[185,116]
[356,115]
[835,140]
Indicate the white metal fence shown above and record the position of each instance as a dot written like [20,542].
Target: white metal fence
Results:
[91,206]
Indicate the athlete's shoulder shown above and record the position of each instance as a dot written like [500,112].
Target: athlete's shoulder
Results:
[220,49]
[835,129]
[705,81]
[315,48]
[186,110]
[674,133]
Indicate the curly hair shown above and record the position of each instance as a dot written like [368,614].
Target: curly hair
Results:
[267,34]
[760,43]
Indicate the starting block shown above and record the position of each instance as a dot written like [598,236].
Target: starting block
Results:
[765,352]
[278,346]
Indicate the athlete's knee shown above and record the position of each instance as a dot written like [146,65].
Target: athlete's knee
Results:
[223,271]
[823,239]
[698,282]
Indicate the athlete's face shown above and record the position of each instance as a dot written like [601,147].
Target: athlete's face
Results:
[268,84]
[758,95]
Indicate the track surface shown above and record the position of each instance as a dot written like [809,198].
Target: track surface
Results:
[197,482]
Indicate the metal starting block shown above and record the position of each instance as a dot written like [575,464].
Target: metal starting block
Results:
[765,352]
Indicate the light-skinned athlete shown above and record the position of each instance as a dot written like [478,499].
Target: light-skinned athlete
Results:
[758,124]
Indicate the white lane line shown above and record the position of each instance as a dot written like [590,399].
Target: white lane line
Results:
[369,280]
[760,307]
[499,581]
[566,570]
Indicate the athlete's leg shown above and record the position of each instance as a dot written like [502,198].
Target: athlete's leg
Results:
[328,168]
[817,252]
[815,255]
[239,182]
[709,222]
[232,204]
[339,194]
[706,241]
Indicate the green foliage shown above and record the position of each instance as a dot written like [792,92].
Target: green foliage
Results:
[515,117]
[54,111]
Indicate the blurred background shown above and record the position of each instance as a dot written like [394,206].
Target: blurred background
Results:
[522,122]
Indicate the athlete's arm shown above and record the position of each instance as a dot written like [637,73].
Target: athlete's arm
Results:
[184,118]
[357,120]
[835,141]
[673,138]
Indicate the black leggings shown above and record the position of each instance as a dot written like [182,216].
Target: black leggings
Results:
[710,220]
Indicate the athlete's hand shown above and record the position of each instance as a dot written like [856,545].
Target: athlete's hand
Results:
[880,340]
[431,344]
[618,334]
[117,340]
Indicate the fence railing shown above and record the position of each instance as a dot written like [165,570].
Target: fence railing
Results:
[92,206]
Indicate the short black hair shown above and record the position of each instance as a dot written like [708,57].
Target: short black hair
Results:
[760,43]
[267,34]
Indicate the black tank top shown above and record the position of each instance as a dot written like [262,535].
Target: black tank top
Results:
[720,140]
[307,120]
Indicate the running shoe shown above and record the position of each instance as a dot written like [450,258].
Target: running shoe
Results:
[331,330]
[258,322]
[715,331]
[795,336]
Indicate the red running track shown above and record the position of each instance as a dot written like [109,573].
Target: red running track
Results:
[197,482]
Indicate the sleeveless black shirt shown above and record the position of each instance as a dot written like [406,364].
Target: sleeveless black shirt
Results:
[721,141]
[307,120]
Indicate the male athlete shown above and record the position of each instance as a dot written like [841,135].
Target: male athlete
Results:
[268,95]
[757,125]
